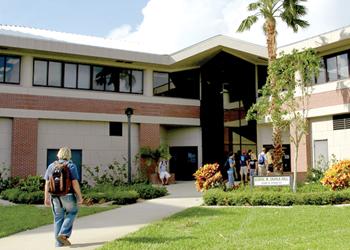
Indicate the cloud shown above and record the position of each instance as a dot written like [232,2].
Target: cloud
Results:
[120,32]
[169,26]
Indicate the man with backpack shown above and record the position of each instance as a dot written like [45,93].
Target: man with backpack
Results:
[62,193]
[262,163]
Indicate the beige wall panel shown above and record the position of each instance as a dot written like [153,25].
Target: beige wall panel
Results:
[264,135]
[338,140]
[98,148]
[5,142]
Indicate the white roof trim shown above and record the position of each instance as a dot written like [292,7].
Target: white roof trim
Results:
[52,41]
[319,40]
[220,40]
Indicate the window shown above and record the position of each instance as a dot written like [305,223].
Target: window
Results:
[40,72]
[9,69]
[341,122]
[125,81]
[137,79]
[321,78]
[115,129]
[55,74]
[160,83]
[337,67]
[183,84]
[82,76]
[99,78]
[333,68]
[70,75]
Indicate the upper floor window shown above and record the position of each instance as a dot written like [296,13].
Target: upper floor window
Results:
[82,76]
[183,84]
[9,69]
[333,68]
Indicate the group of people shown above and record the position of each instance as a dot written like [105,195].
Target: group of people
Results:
[248,163]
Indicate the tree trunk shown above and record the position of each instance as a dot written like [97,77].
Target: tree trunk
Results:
[270,28]
[295,172]
[278,152]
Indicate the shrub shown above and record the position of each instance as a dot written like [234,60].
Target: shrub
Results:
[115,173]
[106,192]
[16,195]
[147,191]
[316,173]
[117,196]
[32,184]
[208,176]
[273,198]
[337,176]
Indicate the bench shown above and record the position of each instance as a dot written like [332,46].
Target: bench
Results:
[154,179]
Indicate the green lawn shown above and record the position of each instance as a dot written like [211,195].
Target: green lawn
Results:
[14,219]
[298,227]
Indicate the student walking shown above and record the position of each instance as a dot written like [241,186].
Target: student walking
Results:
[62,193]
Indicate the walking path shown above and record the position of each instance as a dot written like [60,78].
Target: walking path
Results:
[91,232]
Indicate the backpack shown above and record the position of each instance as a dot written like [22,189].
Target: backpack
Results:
[60,182]
[243,160]
[261,159]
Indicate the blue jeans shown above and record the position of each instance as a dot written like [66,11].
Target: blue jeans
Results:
[231,178]
[251,174]
[64,210]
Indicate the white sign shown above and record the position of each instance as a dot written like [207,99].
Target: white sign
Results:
[272,180]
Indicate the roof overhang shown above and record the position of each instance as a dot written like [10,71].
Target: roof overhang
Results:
[324,43]
[22,38]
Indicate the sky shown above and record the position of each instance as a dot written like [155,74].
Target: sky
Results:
[164,26]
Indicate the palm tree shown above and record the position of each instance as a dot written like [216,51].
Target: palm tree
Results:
[290,11]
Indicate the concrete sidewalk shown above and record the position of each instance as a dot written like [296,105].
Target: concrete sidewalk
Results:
[93,231]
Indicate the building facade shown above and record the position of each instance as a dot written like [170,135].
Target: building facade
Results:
[59,92]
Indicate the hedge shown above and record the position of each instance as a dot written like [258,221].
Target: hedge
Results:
[118,197]
[272,198]
[122,194]
[17,195]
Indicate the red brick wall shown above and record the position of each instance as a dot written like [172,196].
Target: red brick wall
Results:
[50,103]
[149,135]
[24,146]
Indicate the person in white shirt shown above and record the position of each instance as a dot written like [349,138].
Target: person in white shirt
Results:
[163,172]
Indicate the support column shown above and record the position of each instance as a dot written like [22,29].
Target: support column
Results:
[148,82]
[304,156]
[24,146]
[26,71]
[149,135]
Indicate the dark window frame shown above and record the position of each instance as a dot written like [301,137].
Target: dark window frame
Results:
[91,75]
[5,66]
[166,84]
[172,79]
[334,55]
